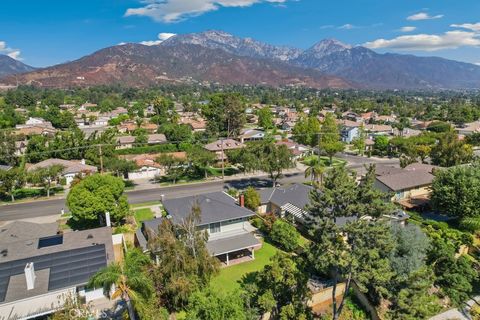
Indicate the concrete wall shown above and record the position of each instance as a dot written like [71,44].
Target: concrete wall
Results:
[322,300]
[145,173]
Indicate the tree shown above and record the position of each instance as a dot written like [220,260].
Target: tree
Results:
[285,235]
[45,176]
[280,288]
[131,284]
[455,275]
[11,180]
[370,200]
[359,142]
[7,148]
[273,158]
[174,166]
[315,170]
[201,159]
[163,108]
[381,145]
[120,167]
[439,127]
[456,191]
[330,137]
[410,251]
[252,198]
[413,301]
[225,114]
[449,151]
[213,305]
[265,118]
[176,132]
[306,131]
[184,264]
[96,195]
[36,149]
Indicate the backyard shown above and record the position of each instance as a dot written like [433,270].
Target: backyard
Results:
[143,214]
[229,277]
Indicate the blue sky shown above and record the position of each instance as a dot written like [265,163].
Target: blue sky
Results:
[43,33]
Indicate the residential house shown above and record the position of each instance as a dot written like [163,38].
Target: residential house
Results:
[220,146]
[35,126]
[290,203]
[70,168]
[125,142]
[147,167]
[40,267]
[379,129]
[230,234]
[298,150]
[287,125]
[130,126]
[196,123]
[409,186]
[101,121]
[156,138]
[251,135]
[349,134]
[468,128]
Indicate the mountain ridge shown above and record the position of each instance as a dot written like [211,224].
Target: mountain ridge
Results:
[9,66]
[225,58]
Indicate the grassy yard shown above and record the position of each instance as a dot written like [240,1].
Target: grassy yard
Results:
[325,161]
[143,214]
[229,277]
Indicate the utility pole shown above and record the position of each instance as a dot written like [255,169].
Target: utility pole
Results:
[101,157]
[223,160]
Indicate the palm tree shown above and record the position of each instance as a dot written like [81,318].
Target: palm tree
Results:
[315,171]
[131,284]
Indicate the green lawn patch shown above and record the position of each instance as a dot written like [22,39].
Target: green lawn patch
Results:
[325,161]
[143,214]
[229,277]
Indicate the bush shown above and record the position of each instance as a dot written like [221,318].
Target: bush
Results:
[285,235]
[129,183]
[257,223]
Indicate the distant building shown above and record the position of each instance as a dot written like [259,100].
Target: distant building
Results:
[251,135]
[220,146]
[349,134]
[70,168]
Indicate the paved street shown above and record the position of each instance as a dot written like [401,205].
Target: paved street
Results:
[47,208]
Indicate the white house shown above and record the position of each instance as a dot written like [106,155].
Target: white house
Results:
[70,168]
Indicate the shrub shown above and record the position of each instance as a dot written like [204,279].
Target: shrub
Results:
[257,223]
[285,235]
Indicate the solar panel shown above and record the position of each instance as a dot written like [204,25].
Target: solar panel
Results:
[67,268]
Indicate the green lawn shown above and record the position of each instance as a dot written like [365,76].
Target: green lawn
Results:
[143,214]
[325,160]
[228,278]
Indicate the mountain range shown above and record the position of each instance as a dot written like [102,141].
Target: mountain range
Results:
[11,66]
[219,57]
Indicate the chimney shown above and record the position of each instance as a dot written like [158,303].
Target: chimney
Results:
[30,275]
[242,200]
[107,219]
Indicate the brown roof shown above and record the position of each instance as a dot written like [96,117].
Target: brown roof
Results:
[406,180]
[195,123]
[421,167]
[126,139]
[378,127]
[69,166]
[228,144]
[156,138]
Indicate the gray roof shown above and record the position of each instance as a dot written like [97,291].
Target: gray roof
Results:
[233,243]
[22,230]
[297,194]
[125,139]
[406,180]
[381,170]
[214,207]
[157,138]
[70,262]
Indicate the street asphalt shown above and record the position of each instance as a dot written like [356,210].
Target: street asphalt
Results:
[44,208]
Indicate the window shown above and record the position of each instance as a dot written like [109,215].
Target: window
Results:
[215,227]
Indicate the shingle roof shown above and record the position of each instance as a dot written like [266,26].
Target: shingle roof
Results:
[297,194]
[69,166]
[233,243]
[406,180]
[214,207]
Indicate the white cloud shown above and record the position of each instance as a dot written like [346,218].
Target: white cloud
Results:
[428,42]
[169,11]
[162,36]
[12,53]
[477,63]
[408,29]
[469,26]
[423,16]
[347,26]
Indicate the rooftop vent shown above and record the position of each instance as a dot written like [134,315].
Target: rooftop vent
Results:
[90,236]
[4,252]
